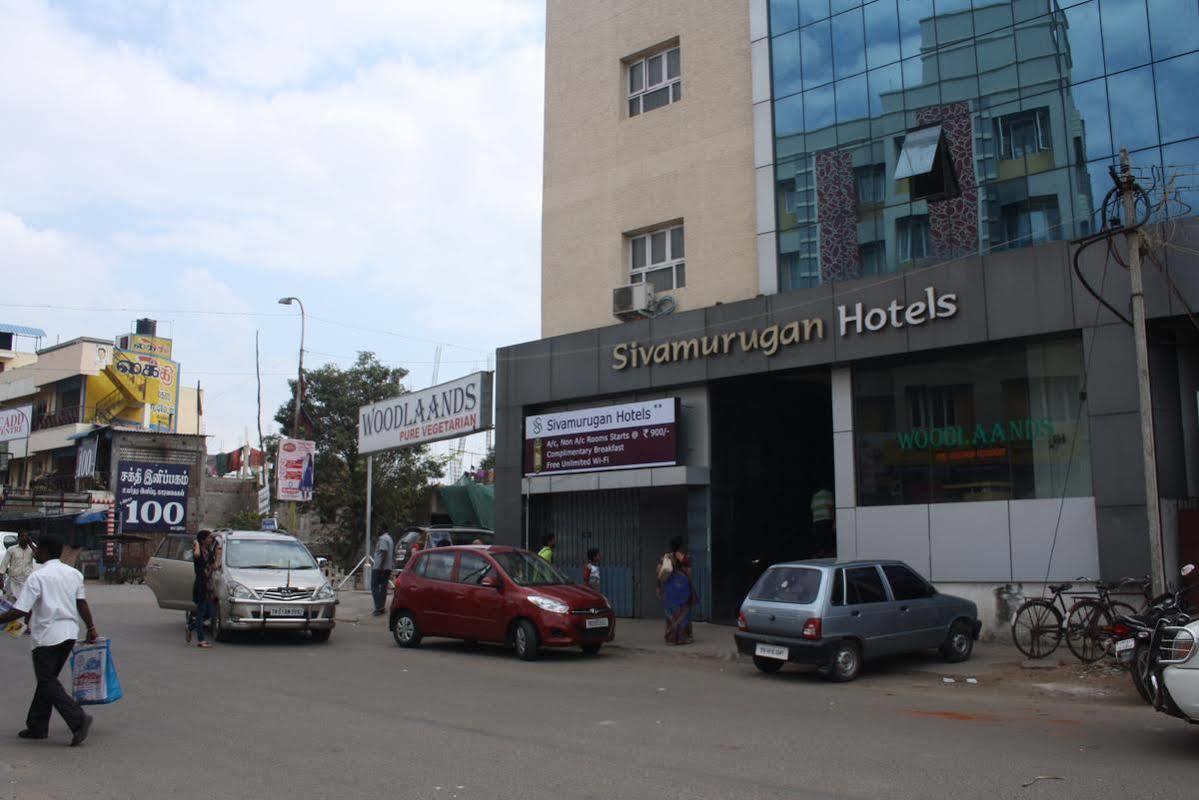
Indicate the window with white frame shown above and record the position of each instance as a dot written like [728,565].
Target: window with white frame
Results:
[655,81]
[1023,133]
[658,258]
[913,238]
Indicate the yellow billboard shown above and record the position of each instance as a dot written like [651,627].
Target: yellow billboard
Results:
[148,345]
[136,389]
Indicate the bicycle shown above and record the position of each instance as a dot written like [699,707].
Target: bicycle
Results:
[1037,626]
[1090,632]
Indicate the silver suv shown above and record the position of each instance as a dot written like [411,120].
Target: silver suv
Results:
[835,614]
[264,581]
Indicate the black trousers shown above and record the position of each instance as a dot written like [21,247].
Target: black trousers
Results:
[49,695]
[379,579]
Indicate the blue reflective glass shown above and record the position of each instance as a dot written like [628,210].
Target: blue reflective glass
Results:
[784,16]
[953,26]
[1173,27]
[1091,101]
[886,89]
[992,17]
[842,5]
[882,33]
[819,108]
[1177,112]
[812,10]
[1182,160]
[849,44]
[784,55]
[911,12]
[852,99]
[1086,41]
[788,116]
[1129,95]
[816,51]
[1125,33]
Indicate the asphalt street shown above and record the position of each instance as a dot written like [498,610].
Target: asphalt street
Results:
[358,717]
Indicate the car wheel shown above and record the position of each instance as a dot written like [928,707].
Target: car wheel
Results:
[768,665]
[591,649]
[845,663]
[405,630]
[959,644]
[524,639]
[321,635]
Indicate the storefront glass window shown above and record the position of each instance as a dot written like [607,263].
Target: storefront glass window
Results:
[993,423]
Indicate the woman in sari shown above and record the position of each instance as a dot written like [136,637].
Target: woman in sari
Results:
[677,593]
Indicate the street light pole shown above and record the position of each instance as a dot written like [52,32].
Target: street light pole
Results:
[287,301]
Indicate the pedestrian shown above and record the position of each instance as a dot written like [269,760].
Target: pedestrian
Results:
[547,548]
[52,596]
[16,564]
[591,570]
[677,592]
[205,562]
[384,563]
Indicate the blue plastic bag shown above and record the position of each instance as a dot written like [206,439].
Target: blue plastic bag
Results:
[94,675]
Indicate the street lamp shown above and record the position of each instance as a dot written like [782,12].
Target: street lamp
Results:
[287,301]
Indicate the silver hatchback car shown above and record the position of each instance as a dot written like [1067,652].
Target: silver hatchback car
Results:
[264,581]
[835,614]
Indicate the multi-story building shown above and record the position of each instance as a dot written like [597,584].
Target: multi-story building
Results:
[809,287]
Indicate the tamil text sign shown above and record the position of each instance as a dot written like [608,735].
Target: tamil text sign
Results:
[604,438]
[152,496]
[16,423]
[446,411]
[297,466]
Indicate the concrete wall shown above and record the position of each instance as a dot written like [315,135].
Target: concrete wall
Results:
[606,173]
[224,497]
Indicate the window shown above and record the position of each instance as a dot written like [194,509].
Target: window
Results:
[473,568]
[913,236]
[268,554]
[1024,133]
[873,258]
[658,257]
[655,81]
[871,183]
[837,597]
[994,422]
[438,566]
[787,585]
[905,584]
[924,159]
[864,585]
[1036,222]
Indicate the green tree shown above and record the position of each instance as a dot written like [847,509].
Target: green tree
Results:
[332,397]
[488,461]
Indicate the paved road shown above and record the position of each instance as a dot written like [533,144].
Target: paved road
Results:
[360,718]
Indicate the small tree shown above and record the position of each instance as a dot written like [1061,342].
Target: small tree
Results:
[245,520]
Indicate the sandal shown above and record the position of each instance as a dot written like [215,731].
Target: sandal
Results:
[204,644]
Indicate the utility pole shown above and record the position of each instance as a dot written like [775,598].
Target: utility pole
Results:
[1132,235]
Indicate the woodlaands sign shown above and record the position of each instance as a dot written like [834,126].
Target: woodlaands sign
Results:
[446,411]
[856,319]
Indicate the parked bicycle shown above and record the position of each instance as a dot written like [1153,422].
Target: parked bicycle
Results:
[1038,628]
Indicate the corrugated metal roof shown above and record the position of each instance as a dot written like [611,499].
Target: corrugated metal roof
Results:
[22,330]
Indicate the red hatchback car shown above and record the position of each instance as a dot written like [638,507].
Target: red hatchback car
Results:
[483,593]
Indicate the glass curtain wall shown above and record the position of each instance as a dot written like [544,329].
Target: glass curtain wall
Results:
[1018,109]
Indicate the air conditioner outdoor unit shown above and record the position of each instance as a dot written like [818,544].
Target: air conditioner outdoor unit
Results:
[632,299]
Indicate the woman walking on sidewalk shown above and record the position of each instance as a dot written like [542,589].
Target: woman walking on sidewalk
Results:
[677,592]
[205,560]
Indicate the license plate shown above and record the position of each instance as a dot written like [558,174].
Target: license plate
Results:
[285,611]
[598,622]
[1125,644]
[771,651]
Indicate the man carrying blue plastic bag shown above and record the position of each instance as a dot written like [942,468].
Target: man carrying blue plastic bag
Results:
[51,596]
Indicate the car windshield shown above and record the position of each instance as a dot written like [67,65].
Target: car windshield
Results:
[528,570]
[268,554]
[787,585]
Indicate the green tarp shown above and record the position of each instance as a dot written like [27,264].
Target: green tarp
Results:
[470,504]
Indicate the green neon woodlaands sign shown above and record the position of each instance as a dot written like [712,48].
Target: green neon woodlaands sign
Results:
[1012,431]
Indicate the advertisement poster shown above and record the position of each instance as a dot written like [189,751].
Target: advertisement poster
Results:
[297,463]
[446,411]
[152,496]
[603,438]
[151,345]
[159,378]
[16,423]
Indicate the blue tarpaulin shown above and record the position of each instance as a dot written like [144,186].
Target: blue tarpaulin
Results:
[88,517]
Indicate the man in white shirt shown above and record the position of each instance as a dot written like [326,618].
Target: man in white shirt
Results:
[384,563]
[16,565]
[51,597]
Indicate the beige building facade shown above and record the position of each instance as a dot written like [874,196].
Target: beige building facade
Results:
[618,165]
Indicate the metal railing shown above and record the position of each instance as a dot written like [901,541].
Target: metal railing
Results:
[68,415]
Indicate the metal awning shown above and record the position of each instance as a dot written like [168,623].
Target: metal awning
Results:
[22,330]
[919,153]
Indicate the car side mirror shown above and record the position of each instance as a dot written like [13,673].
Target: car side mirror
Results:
[492,582]
[932,590]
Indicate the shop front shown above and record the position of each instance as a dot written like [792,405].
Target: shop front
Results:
[977,420]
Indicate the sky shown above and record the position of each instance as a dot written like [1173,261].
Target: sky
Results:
[195,160]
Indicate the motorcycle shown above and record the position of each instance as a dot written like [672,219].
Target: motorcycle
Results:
[1134,634]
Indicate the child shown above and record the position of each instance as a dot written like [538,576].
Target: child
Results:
[591,576]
